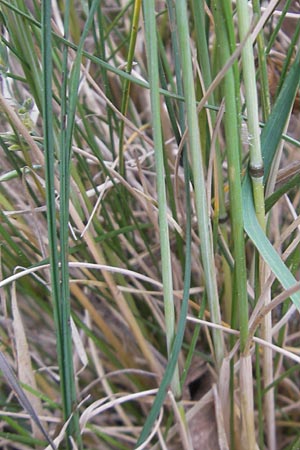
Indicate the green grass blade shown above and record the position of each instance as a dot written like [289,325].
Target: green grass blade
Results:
[68,112]
[50,168]
[126,85]
[263,245]
[273,129]
[270,138]
[67,369]
[152,55]
[166,380]
[290,184]
[202,209]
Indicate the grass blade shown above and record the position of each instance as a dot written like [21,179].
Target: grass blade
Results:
[270,138]
[21,396]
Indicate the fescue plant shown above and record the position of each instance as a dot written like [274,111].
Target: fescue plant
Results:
[149,224]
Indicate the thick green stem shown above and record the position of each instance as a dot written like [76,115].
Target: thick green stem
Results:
[231,121]
[249,77]
[257,172]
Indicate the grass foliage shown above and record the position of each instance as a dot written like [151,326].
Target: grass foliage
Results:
[149,224]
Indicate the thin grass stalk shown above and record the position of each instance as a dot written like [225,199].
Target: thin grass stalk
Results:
[262,64]
[152,56]
[202,208]
[66,136]
[234,170]
[182,124]
[165,76]
[270,139]
[187,277]
[192,347]
[100,46]
[68,117]
[276,30]
[289,57]
[231,122]
[165,382]
[126,83]
[49,175]
[219,200]
[63,178]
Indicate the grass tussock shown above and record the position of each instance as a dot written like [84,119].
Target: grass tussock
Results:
[149,224]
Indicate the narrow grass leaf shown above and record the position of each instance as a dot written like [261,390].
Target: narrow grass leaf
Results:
[69,109]
[290,184]
[152,57]
[126,85]
[11,379]
[272,132]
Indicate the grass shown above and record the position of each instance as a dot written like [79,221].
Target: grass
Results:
[149,225]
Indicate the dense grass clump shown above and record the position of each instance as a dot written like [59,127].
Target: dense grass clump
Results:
[149,224]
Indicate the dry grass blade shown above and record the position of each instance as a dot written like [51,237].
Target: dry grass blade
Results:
[25,372]
[12,381]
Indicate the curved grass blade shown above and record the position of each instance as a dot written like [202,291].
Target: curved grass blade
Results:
[270,138]
[264,246]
